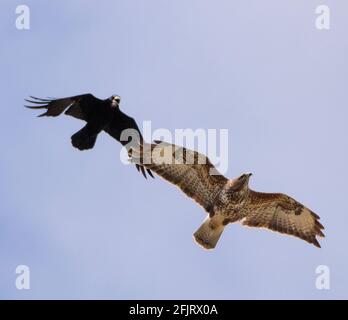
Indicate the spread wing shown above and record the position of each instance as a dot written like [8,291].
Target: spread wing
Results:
[54,107]
[79,107]
[283,214]
[117,126]
[120,123]
[185,168]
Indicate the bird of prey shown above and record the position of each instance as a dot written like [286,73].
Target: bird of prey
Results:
[226,201]
[100,115]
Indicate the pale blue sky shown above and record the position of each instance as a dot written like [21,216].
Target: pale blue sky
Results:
[90,227]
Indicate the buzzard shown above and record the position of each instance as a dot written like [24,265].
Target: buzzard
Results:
[226,201]
[100,115]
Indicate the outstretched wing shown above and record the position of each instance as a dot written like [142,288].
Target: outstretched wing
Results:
[185,168]
[283,214]
[123,122]
[119,124]
[54,107]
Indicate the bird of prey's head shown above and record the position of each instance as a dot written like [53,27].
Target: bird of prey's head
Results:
[242,182]
[115,101]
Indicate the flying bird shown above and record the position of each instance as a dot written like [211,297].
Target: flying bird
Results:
[100,115]
[226,200]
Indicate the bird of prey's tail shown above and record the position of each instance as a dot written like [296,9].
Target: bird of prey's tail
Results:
[85,138]
[209,233]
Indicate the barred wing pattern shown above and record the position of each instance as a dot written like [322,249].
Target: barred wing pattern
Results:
[187,169]
[283,214]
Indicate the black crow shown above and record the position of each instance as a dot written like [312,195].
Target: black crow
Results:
[99,114]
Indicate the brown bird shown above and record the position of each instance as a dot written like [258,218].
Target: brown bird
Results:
[226,201]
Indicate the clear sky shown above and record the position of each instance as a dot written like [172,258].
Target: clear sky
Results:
[88,226]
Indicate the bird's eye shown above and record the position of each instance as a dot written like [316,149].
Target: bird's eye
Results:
[242,177]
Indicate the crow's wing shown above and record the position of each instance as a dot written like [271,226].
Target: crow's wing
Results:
[117,126]
[54,107]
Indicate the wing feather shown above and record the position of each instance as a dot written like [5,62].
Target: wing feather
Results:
[187,169]
[281,213]
[55,107]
